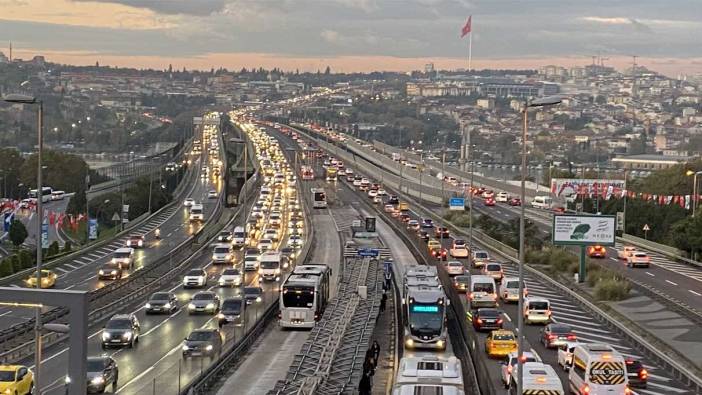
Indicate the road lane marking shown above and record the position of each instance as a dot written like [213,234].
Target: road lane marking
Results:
[670,282]
[696,293]
[651,274]
[614,259]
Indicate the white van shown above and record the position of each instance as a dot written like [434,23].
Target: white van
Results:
[542,202]
[239,236]
[483,292]
[538,378]
[197,213]
[509,289]
[598,369]
[57,195]
[124,257]
[270,266]
[537,310]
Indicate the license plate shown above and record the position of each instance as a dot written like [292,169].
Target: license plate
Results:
[196,353]
[115,341]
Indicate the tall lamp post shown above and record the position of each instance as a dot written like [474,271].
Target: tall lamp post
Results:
[540,102]
[27,99]
[694,189]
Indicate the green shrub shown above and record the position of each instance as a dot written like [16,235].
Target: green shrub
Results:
[612,289]
[26,259]
[67,247]
[537,257]
[53,249]
[560,260]
[16,263]
[6,268]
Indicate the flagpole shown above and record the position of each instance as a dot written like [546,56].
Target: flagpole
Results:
[470,49]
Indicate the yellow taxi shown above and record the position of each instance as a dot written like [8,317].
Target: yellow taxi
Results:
[500,343]
[48,279]
[16,379]
[433,245]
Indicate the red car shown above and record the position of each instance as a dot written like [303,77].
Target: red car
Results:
[596,251]
[559,210]
[515,202]
[439,254]
[490,202]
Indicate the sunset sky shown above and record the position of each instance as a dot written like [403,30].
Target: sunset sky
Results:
[355,35]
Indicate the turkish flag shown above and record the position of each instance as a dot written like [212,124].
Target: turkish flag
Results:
[467,28]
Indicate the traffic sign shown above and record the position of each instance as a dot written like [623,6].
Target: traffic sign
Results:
[620,220]
[457,204]
[115,217]
[646,228]
[368,252]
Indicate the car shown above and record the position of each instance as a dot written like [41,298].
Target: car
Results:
[427,223]
[405,217]
[596,251]
[16,379]
[423,235]
[626,252]
[455,268]
[461,283]
[161,302]
[500,342]
[202,342]
[225,236]
[515,202]
[372,193]
[489,202]
[121,330]
[488,194]
[204,302]
[222,253]
[638,259]
[251,258]
[396,213]
[377,200]
[480,258]
[110,271]
[124,257]
[253,295]
[382,192]
[232,311]
[558,209]
[101,372]
[509,289]
[459,249]
[195,278]
[433,244]
[502,197]
[494,270]
[441,232]
[271,233]
[486,318]
[394,200]
[565,354]
[295,241]
[188,202]
[135,241]
[48,279]
[636,373]
[413,224]
[26,203]
[555,335]
[440,253]
[510,363]
[265,244]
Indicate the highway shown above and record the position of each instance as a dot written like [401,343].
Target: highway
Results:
[565,310]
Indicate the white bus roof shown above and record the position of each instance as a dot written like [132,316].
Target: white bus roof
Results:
[314,270]
[423,294]
[415,369]
[426,389]
[420,270]
[422,281]
[302,279]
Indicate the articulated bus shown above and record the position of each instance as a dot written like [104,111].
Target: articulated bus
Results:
[319,198]
[304,296]
[46,194]
[307,173]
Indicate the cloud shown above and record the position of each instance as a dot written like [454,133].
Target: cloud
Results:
[635,23]
[171,7]
[330,36]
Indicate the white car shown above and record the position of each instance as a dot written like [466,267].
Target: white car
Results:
[295,241]
[626,252]
[565,354]
[276,218]
[188,202]
[455,268]
[372,193]
[507,367]
[502,197]
[271,234]
[212,194]
[382,192]
[265,244]
[459,249]
[195,278]
[222,253]
[230,278]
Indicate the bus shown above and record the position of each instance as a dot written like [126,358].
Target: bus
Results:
[304,296]
[425,316]
[46,193]
[429,374]
[307,173]
[319,198]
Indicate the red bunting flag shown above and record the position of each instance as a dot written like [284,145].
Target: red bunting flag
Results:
[467,27]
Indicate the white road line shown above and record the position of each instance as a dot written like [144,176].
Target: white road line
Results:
[614,259]
[651,274]
[62,270]
[696,293]
[670,282]
[71,266]
[6,313]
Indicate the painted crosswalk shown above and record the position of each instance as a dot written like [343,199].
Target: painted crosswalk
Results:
[589,330]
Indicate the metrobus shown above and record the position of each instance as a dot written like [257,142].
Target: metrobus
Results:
[307,173]
[304,296]
[46,193]
[319,198]
[425,312]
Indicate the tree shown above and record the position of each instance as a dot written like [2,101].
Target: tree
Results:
[18,233]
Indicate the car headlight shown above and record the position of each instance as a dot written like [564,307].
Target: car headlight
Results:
[141,243]
[258,299]
[209,347]
[185,280]
[220,316]
[114,260]
[127,335]
[167,306]
[277,271]
[185,347]
[97,380]
[210,306]
[148,305]
[191,306]
[113,272]
[105,336]
[260,271]
[101,272]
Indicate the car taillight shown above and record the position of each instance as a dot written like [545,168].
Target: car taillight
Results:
[499,321]
[627,391]
[571,337]
[643,374]
[586,390]
[471,296]
[479,321]
[509,369]
[551,337]
[548,312]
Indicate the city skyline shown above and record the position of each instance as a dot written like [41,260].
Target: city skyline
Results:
[353,35]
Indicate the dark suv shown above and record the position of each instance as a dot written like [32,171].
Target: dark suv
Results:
[202,342]
[101,373]
[121,330]
[636,373]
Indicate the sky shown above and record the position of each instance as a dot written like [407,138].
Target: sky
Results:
[355,35]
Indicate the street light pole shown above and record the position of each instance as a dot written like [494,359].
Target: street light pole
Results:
[541,102]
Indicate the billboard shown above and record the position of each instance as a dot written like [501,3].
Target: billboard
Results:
[584,229]
[587,186]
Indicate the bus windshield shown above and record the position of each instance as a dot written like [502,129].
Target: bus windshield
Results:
[426,317]
[320,196]
[298,297]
